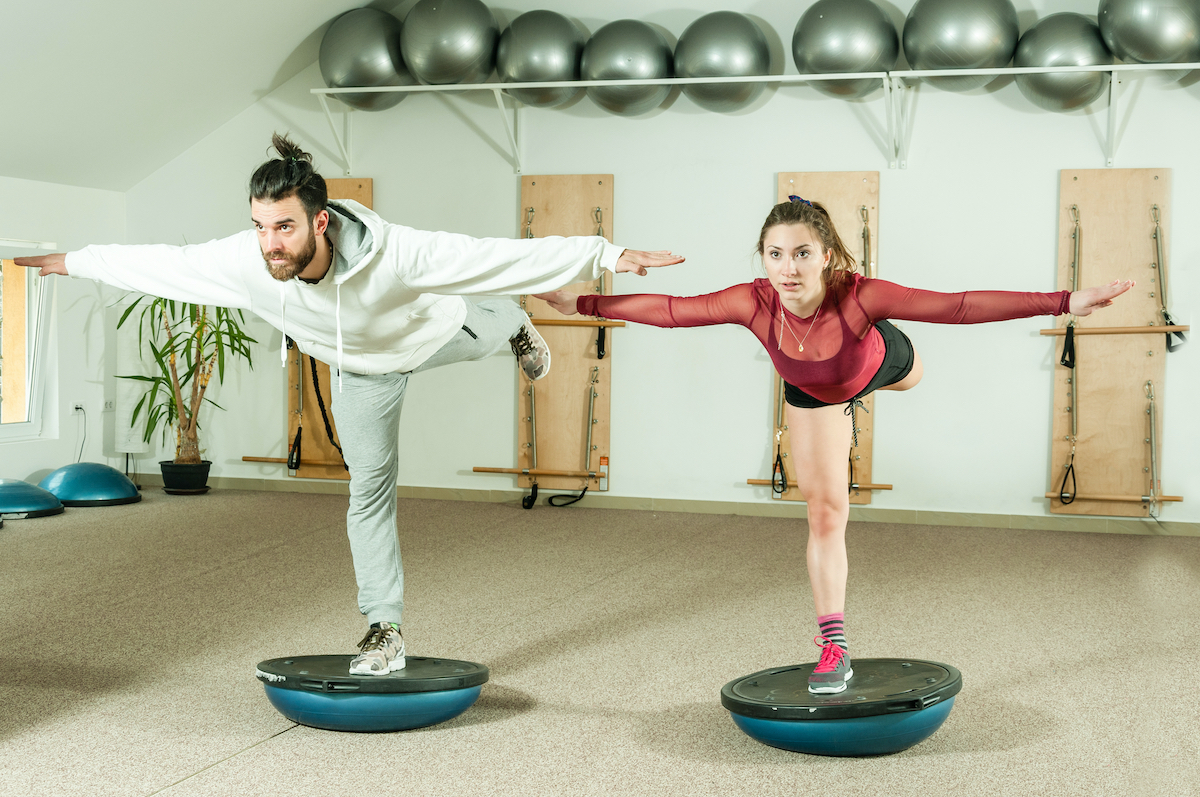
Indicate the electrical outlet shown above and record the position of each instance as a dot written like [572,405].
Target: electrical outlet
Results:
[78,407]
[110,406]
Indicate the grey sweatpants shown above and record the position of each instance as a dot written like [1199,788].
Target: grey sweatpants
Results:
[367,412]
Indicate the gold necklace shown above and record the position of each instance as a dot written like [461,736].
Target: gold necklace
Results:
[784,324]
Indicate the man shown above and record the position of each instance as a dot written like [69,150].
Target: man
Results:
[377,301]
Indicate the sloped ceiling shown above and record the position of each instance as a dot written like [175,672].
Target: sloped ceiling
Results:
[101,93]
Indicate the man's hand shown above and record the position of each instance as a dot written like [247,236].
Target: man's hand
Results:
[635,261]
[48,264]
[562,301]
[1085,301]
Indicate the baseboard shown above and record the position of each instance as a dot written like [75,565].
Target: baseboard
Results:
[863,514]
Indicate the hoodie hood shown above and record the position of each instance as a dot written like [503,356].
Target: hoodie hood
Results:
[355,233]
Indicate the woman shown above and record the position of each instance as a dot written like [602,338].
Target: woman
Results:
[825,329]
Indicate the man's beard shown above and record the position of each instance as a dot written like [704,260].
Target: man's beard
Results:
[292,264]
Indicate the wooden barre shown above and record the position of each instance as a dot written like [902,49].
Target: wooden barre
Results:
[851,486]
[575,322]
[1117,330]
[279,460]
[1132,499]
[537,472]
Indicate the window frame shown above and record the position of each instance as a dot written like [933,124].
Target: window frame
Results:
[40,294]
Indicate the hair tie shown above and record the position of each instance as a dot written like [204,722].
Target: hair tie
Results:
[794,198]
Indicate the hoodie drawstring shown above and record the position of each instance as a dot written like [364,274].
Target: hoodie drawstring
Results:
[283,325]
[338,322]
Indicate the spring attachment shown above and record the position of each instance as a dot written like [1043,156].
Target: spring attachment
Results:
[1174,339]
[592,421]
[852,410]
[1155,484]
[529,222]
[602,332]
[528,501]
[868,271]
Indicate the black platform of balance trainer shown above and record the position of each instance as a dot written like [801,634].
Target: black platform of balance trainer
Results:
[888,706]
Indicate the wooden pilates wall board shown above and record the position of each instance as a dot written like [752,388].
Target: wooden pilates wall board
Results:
[573,204]
[845,195]
[1112,452]
[315,446]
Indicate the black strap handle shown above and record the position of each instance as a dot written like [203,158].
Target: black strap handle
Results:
[1068,354]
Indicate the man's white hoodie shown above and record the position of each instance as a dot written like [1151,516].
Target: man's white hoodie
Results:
[392,297]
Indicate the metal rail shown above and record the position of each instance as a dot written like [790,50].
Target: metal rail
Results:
[895,86]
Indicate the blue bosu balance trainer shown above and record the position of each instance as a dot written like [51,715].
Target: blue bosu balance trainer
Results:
[319,691]
[20,499]
[888,706]
[90,484]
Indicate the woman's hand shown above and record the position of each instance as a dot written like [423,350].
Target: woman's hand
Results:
[562,301]
[636,261]
[1085,301]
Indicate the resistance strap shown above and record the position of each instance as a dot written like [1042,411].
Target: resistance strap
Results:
[566,500]
[1064,495]
[293,458]
[779,481]
[324,415]
[1068,354]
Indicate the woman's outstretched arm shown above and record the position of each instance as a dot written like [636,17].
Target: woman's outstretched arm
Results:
[733,305]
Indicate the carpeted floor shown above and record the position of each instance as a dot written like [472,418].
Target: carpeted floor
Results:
[130,635]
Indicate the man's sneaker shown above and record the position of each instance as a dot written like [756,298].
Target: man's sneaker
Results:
[532,352]
[382,651]
[832,671]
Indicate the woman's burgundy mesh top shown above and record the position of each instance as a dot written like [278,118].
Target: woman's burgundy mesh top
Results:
[842,350]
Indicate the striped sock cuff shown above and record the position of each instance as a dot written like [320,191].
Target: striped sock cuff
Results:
[833,628]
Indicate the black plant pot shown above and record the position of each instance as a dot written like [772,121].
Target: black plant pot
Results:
[185,479]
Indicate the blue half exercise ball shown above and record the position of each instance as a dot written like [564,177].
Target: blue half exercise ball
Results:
[845,36]
[540,46]
[362,48]
[1064,39]
[450,41]
[20,499]
[888,706]
[960,34]
[1151,31]
[319,691]
[722,44]
[90,484]
[627,50]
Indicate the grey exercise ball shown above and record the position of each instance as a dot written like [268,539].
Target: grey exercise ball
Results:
[722,44]
[1064,39]
[450,41]
[627,50]
[1151,31]
[540,46]
[845,36]
[362,48]
[960,34]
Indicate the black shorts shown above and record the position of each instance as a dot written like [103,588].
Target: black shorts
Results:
[898,359]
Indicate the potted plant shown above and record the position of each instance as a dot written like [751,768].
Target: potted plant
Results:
[188,343]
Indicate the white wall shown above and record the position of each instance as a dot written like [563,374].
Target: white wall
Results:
[71,217]
[976,208]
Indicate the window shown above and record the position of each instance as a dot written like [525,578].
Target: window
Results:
[24,306]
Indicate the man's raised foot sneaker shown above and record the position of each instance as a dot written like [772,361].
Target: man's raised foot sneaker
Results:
[532,352]
[832,671]
[382,651]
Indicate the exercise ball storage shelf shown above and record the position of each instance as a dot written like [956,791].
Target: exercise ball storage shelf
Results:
[897,86]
